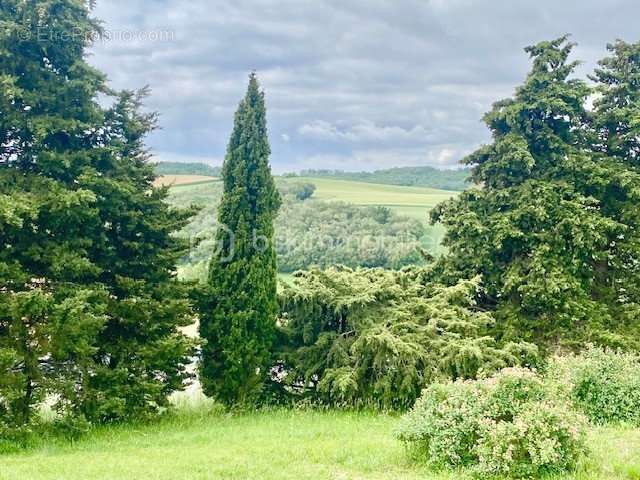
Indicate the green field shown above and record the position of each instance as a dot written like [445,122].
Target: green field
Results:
[414,202]
[272,445]
[411,201]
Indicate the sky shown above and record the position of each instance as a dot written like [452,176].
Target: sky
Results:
[351,84]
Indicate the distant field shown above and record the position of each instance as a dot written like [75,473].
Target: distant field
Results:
[272,445]
[411,201]
[415,202]
[178,180]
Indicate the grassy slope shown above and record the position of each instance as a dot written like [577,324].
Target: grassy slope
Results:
[410,201]
[269,446]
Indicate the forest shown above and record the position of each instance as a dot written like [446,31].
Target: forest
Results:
[401,323]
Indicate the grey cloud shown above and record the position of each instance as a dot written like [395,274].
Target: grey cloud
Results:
[349,83]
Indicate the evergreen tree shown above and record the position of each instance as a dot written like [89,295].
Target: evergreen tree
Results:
[89,309]
[617,109]
[544,227]
[616,119]
[374,337]
[237,320]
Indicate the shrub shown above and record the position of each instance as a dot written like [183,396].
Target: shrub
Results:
[543,437]
[507,424]
[602,383]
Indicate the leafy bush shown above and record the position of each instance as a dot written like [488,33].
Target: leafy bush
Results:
[376,337]
[604,384]
[302,191]
[506,424]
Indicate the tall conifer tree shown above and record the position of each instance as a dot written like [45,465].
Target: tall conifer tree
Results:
[89,309]
[548,227]
[238,320]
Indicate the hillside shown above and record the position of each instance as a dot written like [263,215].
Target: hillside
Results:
[366,224]
[404,176]
[187,168]
[411,201]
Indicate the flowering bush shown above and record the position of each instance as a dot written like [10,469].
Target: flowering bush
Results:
[543,437]
[503,425]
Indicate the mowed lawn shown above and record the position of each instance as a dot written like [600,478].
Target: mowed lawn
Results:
[410,201]
[270,445]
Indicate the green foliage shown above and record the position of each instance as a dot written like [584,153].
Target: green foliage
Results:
[300,190]
[186,168]
[407,176]
[553,230]
[604,384]
[89,308]
[505,425]
[320,234]
[377,337]
[238,310]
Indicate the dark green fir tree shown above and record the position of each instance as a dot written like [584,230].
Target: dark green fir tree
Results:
[89,306]
[551,226]
[237,321]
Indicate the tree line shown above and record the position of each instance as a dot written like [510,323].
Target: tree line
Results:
[431,177]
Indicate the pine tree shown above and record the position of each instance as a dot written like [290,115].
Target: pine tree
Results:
[89,308]
[543,229]
[237,320]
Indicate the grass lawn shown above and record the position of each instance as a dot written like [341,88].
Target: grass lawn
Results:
[268,446]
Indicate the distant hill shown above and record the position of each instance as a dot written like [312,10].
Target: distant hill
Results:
[404,176]
[185,168]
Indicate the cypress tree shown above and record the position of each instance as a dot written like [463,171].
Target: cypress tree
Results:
[238,318]
[89,309]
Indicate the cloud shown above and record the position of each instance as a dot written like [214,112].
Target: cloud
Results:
[364,82]
[362,132]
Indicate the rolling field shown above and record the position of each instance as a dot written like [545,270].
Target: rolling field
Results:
[414,202]
[410,201]
[271,445]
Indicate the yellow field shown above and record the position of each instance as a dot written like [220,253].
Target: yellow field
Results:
[177,180]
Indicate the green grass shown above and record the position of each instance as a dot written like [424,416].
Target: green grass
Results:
[283,444]
[410,201]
